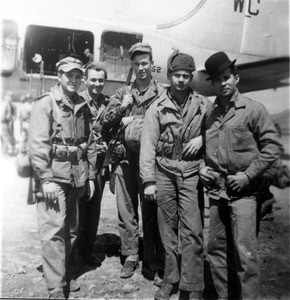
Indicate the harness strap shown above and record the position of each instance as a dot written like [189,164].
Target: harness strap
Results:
[58,129]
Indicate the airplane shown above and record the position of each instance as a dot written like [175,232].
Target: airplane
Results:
[35,35]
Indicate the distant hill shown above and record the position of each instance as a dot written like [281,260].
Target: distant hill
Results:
[283,119]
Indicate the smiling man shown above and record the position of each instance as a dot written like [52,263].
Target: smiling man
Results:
[90,209]
[128,104]
[63,159]
[241,143]
[170,157]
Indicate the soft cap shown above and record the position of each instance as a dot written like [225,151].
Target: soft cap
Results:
[180,61]
[69,63]
[140,47]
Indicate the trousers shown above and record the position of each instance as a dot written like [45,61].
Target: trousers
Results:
[58,228]
[8,139]
[128,186]
[180,226]
[232,248]
[89,217]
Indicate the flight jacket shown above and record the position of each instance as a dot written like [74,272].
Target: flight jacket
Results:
[244,139]
[75,131]
[166,131]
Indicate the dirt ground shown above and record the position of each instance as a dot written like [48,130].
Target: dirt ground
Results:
[21,275]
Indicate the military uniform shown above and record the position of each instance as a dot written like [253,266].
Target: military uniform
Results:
[90,210]
[128,182]
[243,139]
[66,157]
[24,115]
[8,115]
[168,127]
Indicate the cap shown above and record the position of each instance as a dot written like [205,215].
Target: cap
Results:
[140,47]
[69,63]
[180,61]
[217,63]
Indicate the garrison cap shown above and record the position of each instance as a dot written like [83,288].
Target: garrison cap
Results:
[140,47]
[217,63]
[180,61]
[69,63]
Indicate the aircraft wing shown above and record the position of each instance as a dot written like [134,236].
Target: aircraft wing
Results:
[264,74]
[254,76]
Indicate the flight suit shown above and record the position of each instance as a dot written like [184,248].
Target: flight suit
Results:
[243,139]
[90,210]
[128,183]
[168,127]
[62,154]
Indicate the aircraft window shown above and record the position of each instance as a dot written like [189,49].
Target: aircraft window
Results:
[114,52]
[54,44]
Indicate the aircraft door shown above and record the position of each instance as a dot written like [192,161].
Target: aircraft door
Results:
[53,44]
[114,52]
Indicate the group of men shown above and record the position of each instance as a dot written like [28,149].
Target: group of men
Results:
[185,140]
[9,113]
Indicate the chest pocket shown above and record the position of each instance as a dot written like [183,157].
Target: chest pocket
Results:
[66,120]
[240,138]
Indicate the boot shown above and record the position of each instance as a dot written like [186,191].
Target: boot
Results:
[164,292]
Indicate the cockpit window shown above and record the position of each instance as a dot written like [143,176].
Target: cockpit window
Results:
[53,44]
[114,52]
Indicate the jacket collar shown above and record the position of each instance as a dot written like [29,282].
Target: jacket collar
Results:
[85,94]
[151,91]
[78,102]
[238,101]
[166,98]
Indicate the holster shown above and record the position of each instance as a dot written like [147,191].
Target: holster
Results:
[172,151]
[169,150]
[220,180]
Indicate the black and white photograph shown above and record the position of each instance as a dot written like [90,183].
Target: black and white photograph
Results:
[145,150]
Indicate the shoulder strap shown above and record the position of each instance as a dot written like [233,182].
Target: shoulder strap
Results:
[128,90]
[57,111]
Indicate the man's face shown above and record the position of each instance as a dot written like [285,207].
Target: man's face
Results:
[95,82]
[180,80]
[225,83]
[70,81]
[142,66]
